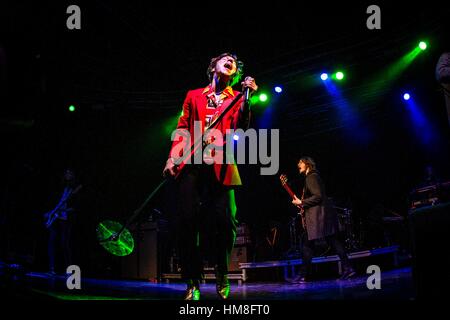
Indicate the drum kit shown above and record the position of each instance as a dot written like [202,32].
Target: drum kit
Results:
[346,231]
[347,228]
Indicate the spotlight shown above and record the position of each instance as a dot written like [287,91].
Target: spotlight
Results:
[236,137]
[324,76]
[263,97]
[72,108]
[339,75]
[406,96]
[423,45]
[278,89]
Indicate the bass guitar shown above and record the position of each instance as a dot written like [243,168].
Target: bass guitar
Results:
[60,210]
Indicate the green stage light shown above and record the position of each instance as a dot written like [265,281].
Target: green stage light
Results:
[386,77]
[339,75]
[263,97]
[423,45]
[72,108]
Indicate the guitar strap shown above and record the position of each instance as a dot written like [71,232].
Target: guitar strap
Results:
[219,117]
[197,143]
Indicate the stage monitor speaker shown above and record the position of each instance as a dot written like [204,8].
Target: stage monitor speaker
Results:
[430,230]
[142,263]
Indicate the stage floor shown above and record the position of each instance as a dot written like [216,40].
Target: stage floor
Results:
[396,284]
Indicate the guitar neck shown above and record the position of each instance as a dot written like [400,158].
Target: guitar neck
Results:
[289,190]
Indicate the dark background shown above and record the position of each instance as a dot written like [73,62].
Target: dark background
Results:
[129,67]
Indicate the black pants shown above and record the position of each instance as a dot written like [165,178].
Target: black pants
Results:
[59,238]
[308,251]
[205,205]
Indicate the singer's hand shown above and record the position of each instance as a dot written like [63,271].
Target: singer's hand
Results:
[169,169]
[249,82]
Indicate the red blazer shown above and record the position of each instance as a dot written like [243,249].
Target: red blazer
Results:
[194,109]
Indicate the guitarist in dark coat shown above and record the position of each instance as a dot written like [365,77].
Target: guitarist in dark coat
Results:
[209,186]
[321,220]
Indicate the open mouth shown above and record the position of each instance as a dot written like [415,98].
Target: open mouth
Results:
[228,66]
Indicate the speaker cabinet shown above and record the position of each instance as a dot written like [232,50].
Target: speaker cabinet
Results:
[142,263]
[430,229]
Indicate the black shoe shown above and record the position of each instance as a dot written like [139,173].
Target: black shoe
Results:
[348,273]
[223,287]
[301,279]
[193,291]
[223,290]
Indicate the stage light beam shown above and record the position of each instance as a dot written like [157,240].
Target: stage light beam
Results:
[72,108]
[263,97]
[324,76]
[278,89]
[406,96]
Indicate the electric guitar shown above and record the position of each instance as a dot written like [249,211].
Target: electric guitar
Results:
[284,183]
[60,207]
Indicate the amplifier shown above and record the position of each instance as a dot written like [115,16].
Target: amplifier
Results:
[431,264]
[430,195]
[144,262]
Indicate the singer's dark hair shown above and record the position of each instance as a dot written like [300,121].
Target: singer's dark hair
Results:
[234,78]
[310,163]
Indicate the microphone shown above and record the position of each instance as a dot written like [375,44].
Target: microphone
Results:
[246,93]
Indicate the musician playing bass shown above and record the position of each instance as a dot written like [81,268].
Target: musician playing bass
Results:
[207,185]
[59,222]
[321,221]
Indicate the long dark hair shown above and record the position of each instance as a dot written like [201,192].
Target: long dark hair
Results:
[235,77]
[310,163]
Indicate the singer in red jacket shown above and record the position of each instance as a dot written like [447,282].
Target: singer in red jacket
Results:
[209,188]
